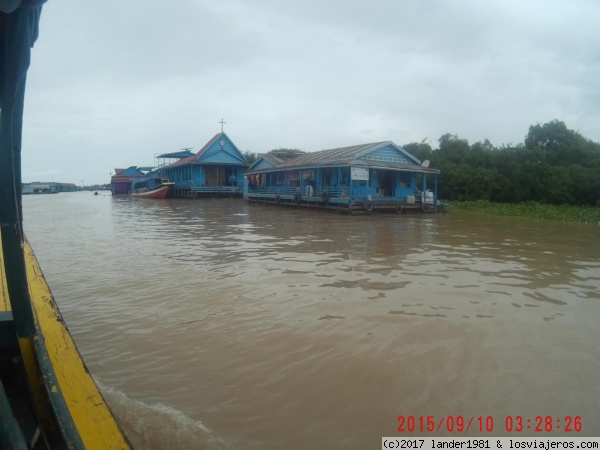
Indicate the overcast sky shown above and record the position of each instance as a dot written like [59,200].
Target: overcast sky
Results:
[113,83]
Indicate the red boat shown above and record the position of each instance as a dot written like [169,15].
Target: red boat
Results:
[151,188]
[159,192]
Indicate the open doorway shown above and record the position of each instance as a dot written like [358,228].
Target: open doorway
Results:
[387,185]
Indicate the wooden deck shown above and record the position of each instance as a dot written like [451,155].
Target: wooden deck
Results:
[190,190]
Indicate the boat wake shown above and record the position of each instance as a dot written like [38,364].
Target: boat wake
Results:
[156,426]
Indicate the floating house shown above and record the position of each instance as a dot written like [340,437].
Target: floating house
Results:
[121,181]
[371,177]
[216,170]
[45,188]
[66,187]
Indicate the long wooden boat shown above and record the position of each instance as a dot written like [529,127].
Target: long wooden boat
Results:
[159,192]
[151,188]
[48,399]
[47,367]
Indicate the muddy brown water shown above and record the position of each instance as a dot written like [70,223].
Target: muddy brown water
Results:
[217,324]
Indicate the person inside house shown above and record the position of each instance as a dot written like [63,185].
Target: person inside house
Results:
[418,194]
[309,190]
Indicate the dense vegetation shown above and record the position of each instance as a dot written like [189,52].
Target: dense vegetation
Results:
[554,166]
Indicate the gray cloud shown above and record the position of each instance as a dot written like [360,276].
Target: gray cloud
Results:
[112,84]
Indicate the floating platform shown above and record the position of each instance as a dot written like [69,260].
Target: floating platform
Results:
[376,177]
[342,204]
[182,191]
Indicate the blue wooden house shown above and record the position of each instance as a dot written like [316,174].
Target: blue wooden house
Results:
[376,176]
[217,169]
[121,181]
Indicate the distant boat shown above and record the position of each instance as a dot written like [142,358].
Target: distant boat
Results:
[151,188]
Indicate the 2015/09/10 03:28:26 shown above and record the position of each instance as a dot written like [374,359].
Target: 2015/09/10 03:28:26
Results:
[512,424]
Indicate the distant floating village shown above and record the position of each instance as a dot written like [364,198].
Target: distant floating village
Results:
[380,176]
[48,188]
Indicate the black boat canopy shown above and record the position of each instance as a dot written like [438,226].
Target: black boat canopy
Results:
[19,20]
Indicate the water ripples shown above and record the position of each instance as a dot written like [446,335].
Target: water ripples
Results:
[272,326]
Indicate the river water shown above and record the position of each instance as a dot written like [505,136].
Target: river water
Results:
[214,324]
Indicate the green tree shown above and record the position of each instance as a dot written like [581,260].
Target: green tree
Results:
[420,150]
[559,145]
[453,149]
[287,153]
[465,182]
[480,154]
[250,156]
[554,165]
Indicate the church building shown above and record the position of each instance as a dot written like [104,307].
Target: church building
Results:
[216,170]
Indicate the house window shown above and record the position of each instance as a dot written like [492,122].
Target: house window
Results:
[308,175]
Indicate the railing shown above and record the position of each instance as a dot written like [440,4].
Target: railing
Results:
[317,193]
[358,193]
[187,184]
[217,189]
[193,187]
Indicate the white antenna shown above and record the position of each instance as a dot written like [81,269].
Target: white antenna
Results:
[425,163]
